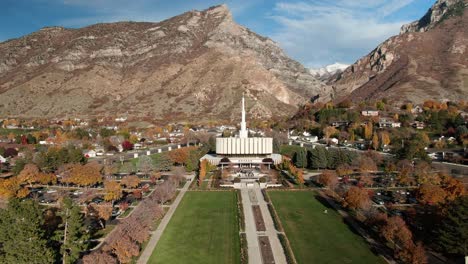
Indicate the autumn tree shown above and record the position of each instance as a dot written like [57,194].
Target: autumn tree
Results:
[375,141]
[431,194]
[328,178]
[102,212]
[11,188]
[82,175]
[202,172]
[453,188]
[367,165]
[180,156]
[127,145]
[29,174]
[397,232]
[385,138]
[357,198]
[130,181]
[113,190]
[344,170]
[72,233]
[368,130]
[124,248]
[329,131]
[99,257]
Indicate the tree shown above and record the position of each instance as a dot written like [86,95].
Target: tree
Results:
[300,158]
[344,170]
[368,130]
[125,249]
[127,145]
[318,158]
[180,156]
[29,174]
[101,211]
[82,175]
[328,178]
[162,162]
[21,235]
[329,131]
[384,138]
[202,172]
[453,188]
[72,233]
[452,235]
[375,141]
[11,188]
[130,181]
[357,198]
[145,164]
[113,190]
[431,194]
[99,257]
[367,165]
[397,232]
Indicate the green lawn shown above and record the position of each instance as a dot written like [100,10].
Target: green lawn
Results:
[204,229]
[315,236]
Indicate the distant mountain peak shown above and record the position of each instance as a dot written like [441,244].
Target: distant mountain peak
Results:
[328,71]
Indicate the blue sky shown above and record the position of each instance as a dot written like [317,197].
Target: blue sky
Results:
[314,32]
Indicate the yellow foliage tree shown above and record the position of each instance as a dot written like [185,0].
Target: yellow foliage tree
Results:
[113,190]
[368,130]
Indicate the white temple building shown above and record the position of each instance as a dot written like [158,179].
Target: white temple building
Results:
[243,151]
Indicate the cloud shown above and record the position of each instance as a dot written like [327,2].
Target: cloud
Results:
[320,33]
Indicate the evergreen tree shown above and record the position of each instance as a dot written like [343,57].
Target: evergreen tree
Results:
[300,158]
[319,158]
[72,234]
[22,239]
[453,232]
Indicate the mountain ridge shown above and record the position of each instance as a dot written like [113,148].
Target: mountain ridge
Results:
[421,64]
[196,64]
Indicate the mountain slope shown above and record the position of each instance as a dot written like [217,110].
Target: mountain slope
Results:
[193,65]
[426,61]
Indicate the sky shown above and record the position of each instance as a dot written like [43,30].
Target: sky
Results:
[313,32]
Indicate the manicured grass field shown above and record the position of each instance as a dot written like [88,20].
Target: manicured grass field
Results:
[204,229]
[315,236]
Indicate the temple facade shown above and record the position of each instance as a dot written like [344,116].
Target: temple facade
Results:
[243,151]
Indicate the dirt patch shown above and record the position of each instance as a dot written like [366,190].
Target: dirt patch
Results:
[259,223]
[265,249]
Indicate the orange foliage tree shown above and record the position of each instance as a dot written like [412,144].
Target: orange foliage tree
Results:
[202,172]
[431,194]
[130,181]
[180,156]
[357,198]
[83,175]
[328,178]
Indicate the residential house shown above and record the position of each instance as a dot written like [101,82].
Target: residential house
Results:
[388,123]
[370,113]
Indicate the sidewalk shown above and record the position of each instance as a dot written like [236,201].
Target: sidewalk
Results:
[254,196]
[156,235]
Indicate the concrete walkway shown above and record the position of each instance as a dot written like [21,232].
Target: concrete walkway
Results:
[156,235]
[253,196]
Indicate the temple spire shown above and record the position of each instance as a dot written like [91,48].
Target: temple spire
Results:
[243,132]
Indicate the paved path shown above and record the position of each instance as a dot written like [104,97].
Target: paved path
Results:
[253,196]
[156,235]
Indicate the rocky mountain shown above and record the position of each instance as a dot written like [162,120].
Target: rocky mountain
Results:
[428,60]
[328,71]
[195,65]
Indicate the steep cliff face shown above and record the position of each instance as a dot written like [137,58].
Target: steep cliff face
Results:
[193,65]
[427,61]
